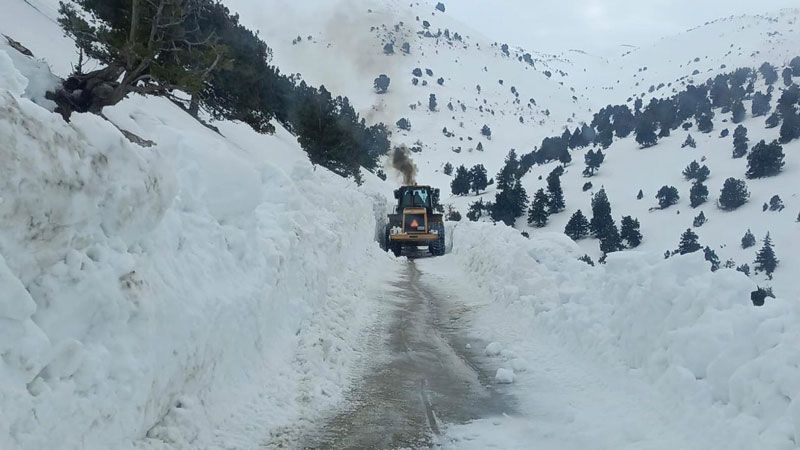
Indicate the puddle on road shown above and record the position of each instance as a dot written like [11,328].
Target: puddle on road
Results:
[429,379]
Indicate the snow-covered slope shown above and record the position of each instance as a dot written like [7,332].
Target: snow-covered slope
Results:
[637,353]
[341,45]
[198,293]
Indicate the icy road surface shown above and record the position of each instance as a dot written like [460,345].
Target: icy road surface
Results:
[429,377]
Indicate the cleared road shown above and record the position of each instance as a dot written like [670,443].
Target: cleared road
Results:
[426,379]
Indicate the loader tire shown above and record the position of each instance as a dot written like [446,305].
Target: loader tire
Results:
[436,248]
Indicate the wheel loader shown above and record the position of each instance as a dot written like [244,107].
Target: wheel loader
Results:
[414,222]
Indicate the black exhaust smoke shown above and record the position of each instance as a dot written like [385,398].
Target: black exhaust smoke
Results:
[402,162]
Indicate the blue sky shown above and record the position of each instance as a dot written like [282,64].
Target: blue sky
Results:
[596,25]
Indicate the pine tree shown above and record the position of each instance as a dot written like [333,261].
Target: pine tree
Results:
[740,141]
[765,259]
[773,120]
[630,231]
[448,169]
[744,268]
[700,220]
[593,161]
[610,240]
[711,256]
[689,142]
[775,203]
[738,111]
[765,160]
[578,226]
[556,202]
[689,243]
[734,194]
[538,214]
[477,178]
[477,210]
[601,213]
[461,183]
[695,171]
[432,103]
[761,105]
[769,73]
[486,131]
[640,195]
[646,131]
[564,157]
[587,259]
[698,194]
[667,196]
[381,84]
[748,240]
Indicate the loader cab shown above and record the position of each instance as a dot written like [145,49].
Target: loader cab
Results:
[415,197]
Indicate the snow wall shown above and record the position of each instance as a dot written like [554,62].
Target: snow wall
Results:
[148,295]
[693,334]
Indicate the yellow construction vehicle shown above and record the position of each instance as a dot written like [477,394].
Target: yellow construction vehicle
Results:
[414,222]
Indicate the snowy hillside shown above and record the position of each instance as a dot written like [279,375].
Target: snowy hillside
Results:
[186,293]
[170,285]
[352,41]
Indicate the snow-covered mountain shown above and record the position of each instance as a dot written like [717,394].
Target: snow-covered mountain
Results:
[525,96]
[201,290]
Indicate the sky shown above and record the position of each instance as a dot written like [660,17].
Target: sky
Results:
[598,26]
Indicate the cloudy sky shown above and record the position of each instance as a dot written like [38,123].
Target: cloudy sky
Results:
[596,25]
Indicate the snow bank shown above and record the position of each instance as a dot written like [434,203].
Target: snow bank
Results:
[692,333]
[186,295]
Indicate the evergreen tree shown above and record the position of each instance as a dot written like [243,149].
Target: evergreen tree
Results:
[630,231]
[624,121]
[773,120]
[610,240]
[141,47]
[593,161]
[744,268]
[477,210]
[775,203]
[640,195]
[689,243]
[404,124]
[689,142]
[486,131]
[700,220]
[461,183]
[733,195]
[787,77]
[765,259]
[761,105]
[646,131]
[667,196]
[578,226]
[769,73]
[381,84]
[738,111]
[564,157]
[765,160]
[698,194]
[432,103]
[711,256]
[587,259]
[448,169]
[511,198]
[478,180]
[704,122]
[740,141]
[538,214]
[453,215]
[556,202]
[601,213]
[748,240]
